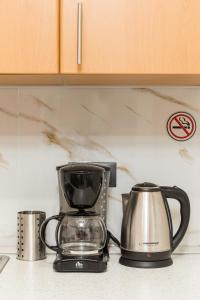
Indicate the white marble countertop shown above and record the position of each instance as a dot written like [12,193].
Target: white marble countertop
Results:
[38,281]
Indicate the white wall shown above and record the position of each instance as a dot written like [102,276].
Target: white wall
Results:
[42,127]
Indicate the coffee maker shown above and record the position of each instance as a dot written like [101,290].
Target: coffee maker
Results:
[81,234]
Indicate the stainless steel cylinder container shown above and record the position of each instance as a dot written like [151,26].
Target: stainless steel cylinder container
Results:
[29,244]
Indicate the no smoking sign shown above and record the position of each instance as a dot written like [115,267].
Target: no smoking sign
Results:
[181,126]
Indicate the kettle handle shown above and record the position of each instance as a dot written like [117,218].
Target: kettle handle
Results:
[181,196]
[43,230]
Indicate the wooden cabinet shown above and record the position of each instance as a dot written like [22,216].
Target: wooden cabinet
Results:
[29,36]
[118,41]
[145,37]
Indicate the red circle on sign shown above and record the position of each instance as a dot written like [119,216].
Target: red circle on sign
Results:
[181,126]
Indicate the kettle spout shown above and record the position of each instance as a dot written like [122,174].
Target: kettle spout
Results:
[125,199]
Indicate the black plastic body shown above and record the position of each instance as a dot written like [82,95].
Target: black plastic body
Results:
[145,259]
[81,184]
[145,264]
[110,166]
[181,196]
[43,231]
[89,264]
[146,256]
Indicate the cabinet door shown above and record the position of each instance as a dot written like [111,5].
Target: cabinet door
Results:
[29,36]
[132,37]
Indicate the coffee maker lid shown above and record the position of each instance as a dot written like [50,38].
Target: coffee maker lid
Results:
[82,167]
[146,187]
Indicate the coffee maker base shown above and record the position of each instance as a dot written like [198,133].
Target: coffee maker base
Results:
[87,264]
[145,264]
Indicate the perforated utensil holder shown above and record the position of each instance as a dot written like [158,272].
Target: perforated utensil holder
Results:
[29,244]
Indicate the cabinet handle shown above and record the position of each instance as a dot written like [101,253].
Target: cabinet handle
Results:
[79,33]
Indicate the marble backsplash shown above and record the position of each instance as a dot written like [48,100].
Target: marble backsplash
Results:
[43,127]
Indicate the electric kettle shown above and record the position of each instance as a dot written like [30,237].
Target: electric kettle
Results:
[147,239]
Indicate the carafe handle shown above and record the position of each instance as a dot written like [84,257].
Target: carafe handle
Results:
[43,230]
[181,196]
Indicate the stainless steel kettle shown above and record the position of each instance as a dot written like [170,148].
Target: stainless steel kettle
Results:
[147,239]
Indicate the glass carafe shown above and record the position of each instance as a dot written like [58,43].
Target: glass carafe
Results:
[78,233]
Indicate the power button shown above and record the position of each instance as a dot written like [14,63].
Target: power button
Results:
[79,265]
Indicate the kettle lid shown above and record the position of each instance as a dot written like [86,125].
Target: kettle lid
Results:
[146,187]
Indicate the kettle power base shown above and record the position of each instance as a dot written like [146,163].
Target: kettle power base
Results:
[87,264]
[145,264]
